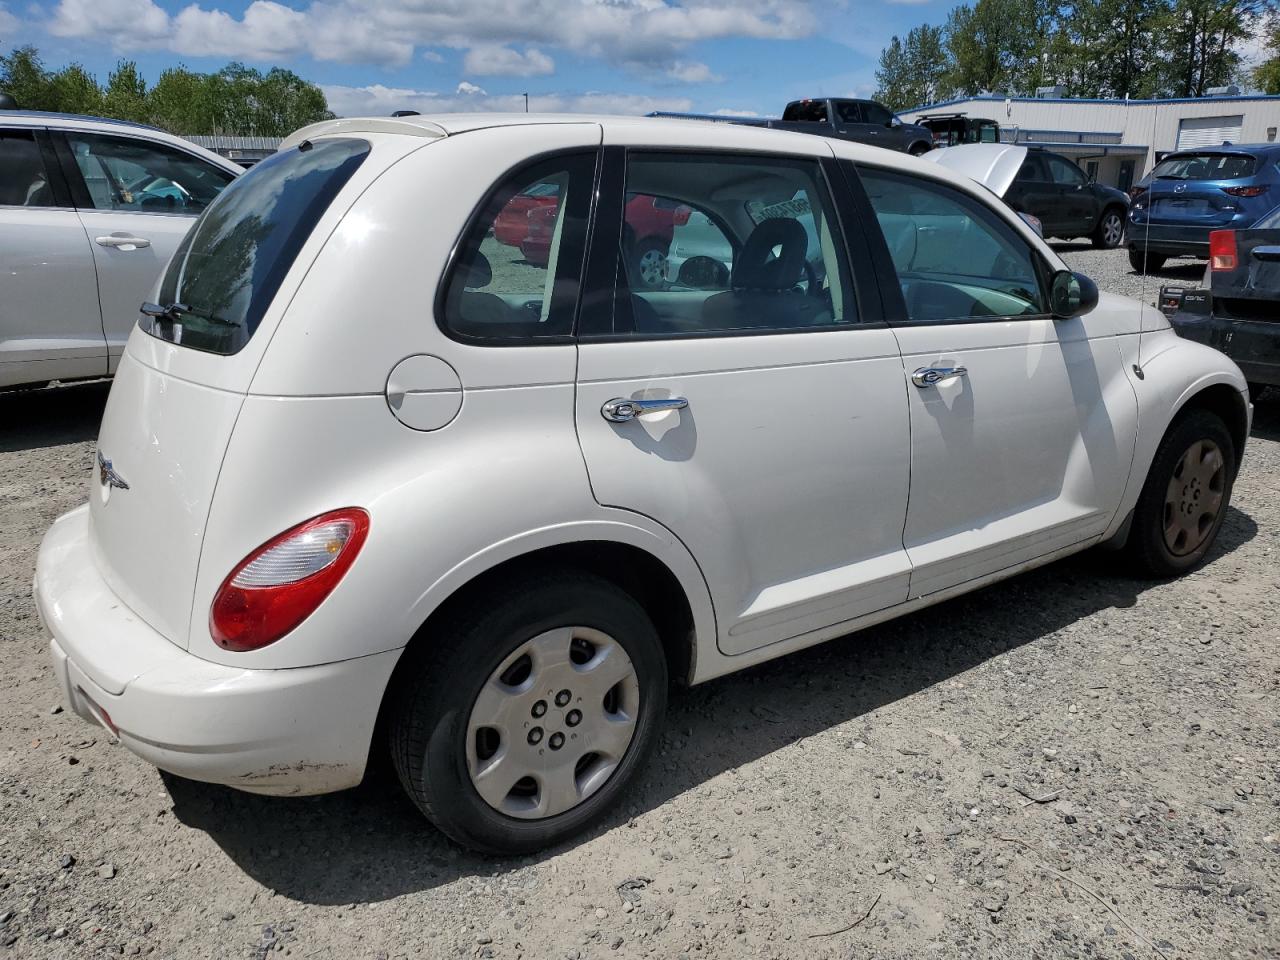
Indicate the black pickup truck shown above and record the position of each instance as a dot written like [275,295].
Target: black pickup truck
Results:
[864,121]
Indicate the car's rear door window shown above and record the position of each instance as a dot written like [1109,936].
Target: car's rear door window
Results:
[142,176]
[24,175]
[232,262]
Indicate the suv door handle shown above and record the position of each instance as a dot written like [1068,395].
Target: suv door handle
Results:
[122,241]
[621,410]
[932,376]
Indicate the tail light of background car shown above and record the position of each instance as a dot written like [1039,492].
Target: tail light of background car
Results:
[1222,250]
[1136,192]
[281,583]
[1252,191]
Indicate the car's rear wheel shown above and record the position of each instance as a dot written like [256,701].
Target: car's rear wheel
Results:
[530,715]
[1146,262]
[1185,497]
[1110,230]
[919,149]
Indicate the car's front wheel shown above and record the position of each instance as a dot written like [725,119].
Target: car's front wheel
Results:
[1185,497]
[529,715]
[1110,230]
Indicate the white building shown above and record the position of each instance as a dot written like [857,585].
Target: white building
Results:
[1117,141]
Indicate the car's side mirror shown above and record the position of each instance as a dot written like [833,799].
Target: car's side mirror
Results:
[1072,294]
[894,122]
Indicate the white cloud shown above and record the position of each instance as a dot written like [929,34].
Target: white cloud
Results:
[730,112]
[495,61]
[692,72]
[432,57]
[640,34]
[379,100]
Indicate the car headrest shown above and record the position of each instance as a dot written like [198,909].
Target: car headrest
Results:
[757,268]
[476,272]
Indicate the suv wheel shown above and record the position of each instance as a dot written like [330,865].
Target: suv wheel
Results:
[919,149]
[1110,230]
[1185,497]
[1144,262]
[530,716]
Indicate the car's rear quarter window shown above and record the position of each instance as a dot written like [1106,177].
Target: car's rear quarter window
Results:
[232,262]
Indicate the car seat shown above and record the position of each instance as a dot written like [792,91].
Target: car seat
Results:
[762,286]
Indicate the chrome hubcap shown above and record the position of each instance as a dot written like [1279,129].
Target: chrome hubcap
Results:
[552,723]
[1194,497]
[1112,229]
[652,266]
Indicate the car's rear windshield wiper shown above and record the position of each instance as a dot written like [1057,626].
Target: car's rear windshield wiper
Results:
[176,311]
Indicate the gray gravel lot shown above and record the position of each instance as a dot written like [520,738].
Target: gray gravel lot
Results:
[1070,764]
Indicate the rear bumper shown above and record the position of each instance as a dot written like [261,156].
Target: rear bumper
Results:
[1253,345]
[285,732]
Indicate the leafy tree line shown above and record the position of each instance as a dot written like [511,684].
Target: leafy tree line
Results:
[1094,48]
[236,100]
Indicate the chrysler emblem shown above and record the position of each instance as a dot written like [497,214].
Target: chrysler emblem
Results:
[107,475]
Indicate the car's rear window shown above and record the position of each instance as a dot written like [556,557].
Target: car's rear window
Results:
[1205,166]
[231,263]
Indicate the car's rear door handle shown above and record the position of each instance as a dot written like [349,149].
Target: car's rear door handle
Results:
[932,376]
[621,410]
[122,241]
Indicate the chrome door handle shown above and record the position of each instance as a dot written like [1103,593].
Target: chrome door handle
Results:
[932,376]
[122,243]
[621,410]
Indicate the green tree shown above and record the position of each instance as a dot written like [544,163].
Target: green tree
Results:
[177,102]
[1267,75]
[75,90]
[999,45]
[913,73]
[1198,40]
[1107,48]
[24,76]
[126,95]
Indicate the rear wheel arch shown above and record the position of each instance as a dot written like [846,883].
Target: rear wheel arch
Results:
[636,571]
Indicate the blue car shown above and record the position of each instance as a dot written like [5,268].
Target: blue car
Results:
[1192,192]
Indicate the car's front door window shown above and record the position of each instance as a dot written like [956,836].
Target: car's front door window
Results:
[956,260]
[141,176]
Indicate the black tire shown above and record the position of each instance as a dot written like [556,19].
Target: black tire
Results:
[1146,262]
[436,690]
[1109,232]
[648,266]
[1148,544]
[919,149]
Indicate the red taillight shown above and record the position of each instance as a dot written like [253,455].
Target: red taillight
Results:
[681,215]
[280,584]
[1136,192]
[1222,249]
[1255,191]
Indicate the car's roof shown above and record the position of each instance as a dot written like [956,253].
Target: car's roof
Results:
[75,121]
[1244,148]
[42,117]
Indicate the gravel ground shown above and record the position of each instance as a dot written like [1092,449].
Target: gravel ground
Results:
[1072,764]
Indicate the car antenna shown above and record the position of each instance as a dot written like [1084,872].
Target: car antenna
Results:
[1146,240]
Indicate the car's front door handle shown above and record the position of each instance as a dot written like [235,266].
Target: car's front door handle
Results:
[122,241]
[932,376]
[622,410]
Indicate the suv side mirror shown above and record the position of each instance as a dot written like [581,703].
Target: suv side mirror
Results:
[1071,294]
[894,121]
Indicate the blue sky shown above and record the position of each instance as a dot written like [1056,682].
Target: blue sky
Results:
[612,55]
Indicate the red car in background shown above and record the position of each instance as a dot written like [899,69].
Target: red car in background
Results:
[529,219]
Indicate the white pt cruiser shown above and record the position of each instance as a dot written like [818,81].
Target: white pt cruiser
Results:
[402,446]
